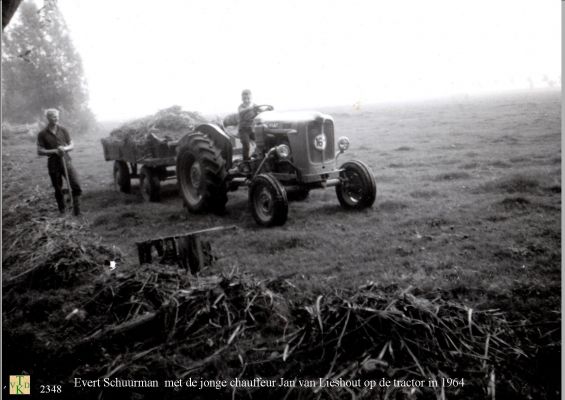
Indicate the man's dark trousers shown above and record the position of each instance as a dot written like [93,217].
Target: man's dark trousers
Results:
[57,173]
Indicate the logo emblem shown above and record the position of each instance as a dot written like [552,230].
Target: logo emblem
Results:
[320,142]
[20,384]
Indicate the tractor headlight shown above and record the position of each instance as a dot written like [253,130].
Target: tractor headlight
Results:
[283,151]
[343,143]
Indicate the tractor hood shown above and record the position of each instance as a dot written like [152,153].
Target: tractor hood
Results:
[291,116]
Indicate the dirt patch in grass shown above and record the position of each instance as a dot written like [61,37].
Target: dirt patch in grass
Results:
[129,215]
[438,222]
[515,203]
[281,243]
[386,179]
[506,139]
[424,194]
[500,164]
[471,165]
[101,220]
[520,159]
[554,189]
[404,148]
[449,176]
[392,205]
[525,205]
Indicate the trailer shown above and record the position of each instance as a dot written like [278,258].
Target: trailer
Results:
[151,161]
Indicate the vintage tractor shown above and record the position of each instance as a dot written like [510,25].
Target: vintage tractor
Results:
[295,153]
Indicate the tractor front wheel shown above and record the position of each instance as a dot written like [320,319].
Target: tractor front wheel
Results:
[268,201]
[357,189]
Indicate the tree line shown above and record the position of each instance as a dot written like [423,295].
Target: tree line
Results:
[42,69]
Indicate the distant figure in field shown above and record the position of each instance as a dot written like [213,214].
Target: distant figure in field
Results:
[55,142]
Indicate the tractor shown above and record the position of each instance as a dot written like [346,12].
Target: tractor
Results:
[295,153]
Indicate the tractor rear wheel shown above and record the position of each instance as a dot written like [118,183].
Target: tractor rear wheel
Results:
[268,201]
[201,174]
[149,184]
[357,189]
[122,177]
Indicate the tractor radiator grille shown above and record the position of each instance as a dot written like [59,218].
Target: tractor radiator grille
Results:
[314,129]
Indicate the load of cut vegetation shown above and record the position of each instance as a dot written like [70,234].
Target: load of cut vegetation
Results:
[170,123]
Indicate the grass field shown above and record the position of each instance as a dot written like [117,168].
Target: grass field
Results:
[468,195]
[468,207]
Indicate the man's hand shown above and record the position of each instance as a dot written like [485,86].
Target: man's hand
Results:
[61,151]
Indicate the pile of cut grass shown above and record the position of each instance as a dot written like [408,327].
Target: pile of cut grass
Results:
[40,249]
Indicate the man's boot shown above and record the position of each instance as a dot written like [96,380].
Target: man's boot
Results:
[76,206]
[61,205]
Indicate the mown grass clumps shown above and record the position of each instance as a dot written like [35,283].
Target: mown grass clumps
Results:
[449,176]
[515,203]
[513,184]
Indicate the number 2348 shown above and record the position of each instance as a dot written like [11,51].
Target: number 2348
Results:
[50,389]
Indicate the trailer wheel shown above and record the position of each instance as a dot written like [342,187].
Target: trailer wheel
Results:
[122,177]
[201,173]
[357,189]
[268,201]
[149,184]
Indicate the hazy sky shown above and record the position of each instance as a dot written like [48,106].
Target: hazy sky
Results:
[309,53]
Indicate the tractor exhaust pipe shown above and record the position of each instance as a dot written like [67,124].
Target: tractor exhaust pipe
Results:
[331,182]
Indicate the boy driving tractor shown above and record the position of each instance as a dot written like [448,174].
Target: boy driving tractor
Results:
[247,111]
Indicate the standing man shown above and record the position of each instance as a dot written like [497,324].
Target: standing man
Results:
[55,142]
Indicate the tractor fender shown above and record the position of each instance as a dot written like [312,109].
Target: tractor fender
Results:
[220,138]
